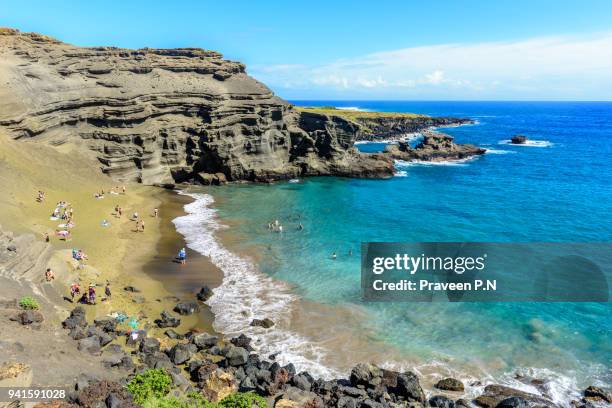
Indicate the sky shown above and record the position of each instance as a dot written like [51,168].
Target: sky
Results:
[336,49]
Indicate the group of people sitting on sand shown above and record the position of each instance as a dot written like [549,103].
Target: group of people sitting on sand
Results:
[63,211]
[88,297]
[41,196]
[115,191]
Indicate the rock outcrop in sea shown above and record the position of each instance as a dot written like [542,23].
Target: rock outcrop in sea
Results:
[168,115]
[435,146]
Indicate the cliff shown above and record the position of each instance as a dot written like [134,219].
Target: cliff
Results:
[374,126]
[167,115]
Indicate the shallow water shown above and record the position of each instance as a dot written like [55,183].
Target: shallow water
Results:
[556,189]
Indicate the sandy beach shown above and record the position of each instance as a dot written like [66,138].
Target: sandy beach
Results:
[116,254]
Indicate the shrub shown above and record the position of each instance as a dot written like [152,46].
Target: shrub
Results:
[195,400]
[150,385]
[243,400]
[29,302]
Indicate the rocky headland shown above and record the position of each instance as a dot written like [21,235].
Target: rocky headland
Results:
[434,147]
[387,126]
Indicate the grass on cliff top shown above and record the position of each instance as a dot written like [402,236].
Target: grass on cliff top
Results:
[355,114]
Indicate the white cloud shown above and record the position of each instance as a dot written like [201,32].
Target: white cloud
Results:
[539,68]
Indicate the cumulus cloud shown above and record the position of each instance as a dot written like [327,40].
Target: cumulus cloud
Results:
[538,68]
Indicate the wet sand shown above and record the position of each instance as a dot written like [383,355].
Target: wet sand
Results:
[182,281]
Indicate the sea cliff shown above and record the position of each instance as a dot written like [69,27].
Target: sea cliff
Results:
[162,116]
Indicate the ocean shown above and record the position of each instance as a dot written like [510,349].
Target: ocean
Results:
[556,189]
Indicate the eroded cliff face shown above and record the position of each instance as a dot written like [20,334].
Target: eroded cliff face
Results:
[167,115]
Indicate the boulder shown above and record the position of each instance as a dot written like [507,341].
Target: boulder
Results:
[174,335]
[597,394]
[204,340]
[76,319]
[367,375]
[158,360]
[77,333]
[236,356]
[186,308]
[302,399]
[105,338]
[242,341]
[405,385]
[450,384]
[181,353]
[265,323]
[440,401]
[303,381]
[513,402]
[107,325]
[494,394]
[518,139]
[149,345]
[99,394]
[28,317]
[204,294]
[132,289]
[218,385]
[90,345]
[168,320]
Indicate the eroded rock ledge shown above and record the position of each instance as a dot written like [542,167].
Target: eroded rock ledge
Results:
[167,115]
[435,147]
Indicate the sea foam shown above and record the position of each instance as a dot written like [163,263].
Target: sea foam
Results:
[246,294]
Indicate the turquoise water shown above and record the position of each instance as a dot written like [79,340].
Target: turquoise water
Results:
[558,191]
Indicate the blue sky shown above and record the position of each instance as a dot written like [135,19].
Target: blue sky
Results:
[364,49]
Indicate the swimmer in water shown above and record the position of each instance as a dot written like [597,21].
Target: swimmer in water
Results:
[333,256]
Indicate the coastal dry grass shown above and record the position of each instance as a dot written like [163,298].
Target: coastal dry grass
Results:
[355,115]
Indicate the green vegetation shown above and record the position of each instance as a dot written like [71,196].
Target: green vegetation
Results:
[355,115]
[153,383]
[29,302]
[242,400]
[151,388]
[194,400]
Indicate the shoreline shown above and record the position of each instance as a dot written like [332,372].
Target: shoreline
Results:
[429,372]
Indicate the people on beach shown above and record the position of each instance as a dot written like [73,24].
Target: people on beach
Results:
[74,290]
[107,291]
[155,212]
[135,216]
[182,256]
[41,196]
[49,275]
[46,237]
[92,294]
[105,223]
[123,189]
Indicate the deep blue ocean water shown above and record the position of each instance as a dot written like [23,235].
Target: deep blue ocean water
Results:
[559,191]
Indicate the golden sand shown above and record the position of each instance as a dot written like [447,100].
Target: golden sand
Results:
[116,253]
